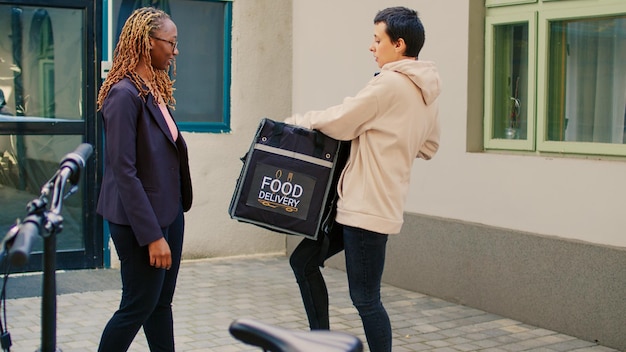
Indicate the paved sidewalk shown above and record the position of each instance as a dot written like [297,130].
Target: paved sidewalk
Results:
[212,293]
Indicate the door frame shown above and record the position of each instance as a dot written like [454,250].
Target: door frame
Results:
[92,255]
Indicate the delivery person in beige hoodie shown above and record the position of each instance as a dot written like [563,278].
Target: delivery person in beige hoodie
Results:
[389,123]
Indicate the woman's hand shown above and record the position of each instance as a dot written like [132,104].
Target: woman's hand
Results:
[160,254]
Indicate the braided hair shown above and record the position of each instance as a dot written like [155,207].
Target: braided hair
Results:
[134,42]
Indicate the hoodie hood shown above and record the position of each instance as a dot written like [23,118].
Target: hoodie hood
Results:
[423,74]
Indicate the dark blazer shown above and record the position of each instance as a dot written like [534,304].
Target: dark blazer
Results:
[146,174]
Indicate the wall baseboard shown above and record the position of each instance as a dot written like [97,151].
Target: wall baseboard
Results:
[572,287]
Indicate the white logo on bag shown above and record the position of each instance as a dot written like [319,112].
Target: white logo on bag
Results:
[282,191]
[274,192]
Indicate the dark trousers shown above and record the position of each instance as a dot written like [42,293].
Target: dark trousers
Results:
[147,292]
[365,261]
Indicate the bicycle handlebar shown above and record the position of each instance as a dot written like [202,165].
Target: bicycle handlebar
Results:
[76,160]
[23,242]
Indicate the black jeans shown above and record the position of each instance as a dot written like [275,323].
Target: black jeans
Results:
[365,261]
[147,292]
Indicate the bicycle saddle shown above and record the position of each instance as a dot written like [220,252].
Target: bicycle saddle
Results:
[276,339]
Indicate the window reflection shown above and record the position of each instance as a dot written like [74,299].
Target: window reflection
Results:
[201,94]
[26,163]
[587,89]
[40,60]
[510,81]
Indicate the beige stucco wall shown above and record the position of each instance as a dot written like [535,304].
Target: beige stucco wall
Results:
[279,68]
[568,197]
[554,247]
[261,87]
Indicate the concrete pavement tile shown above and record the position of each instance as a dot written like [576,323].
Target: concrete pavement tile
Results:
[212,293]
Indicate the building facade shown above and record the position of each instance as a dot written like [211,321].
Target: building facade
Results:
[518,214]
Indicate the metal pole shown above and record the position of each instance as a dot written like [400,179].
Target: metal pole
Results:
[48,298]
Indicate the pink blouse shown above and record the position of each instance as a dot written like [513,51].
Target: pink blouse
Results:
[169,120]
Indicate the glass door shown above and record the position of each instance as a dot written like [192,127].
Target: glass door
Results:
[48,85]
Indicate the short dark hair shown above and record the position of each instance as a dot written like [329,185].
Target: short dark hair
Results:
[403,23]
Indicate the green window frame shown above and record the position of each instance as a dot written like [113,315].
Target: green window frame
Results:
[557,76]
[495,3]
[502,92]
[206,73]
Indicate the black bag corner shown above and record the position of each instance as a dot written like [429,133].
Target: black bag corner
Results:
[288,181]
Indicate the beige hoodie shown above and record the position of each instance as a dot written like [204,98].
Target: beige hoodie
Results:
[391,121]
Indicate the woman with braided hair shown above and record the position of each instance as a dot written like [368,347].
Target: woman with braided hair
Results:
[146,185]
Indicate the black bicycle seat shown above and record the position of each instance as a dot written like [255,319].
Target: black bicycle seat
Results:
[276,339]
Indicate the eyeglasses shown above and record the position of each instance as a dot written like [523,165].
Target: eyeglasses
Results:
[173,44]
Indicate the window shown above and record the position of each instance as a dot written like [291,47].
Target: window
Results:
[203,66]
[555,77]
[510,95]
